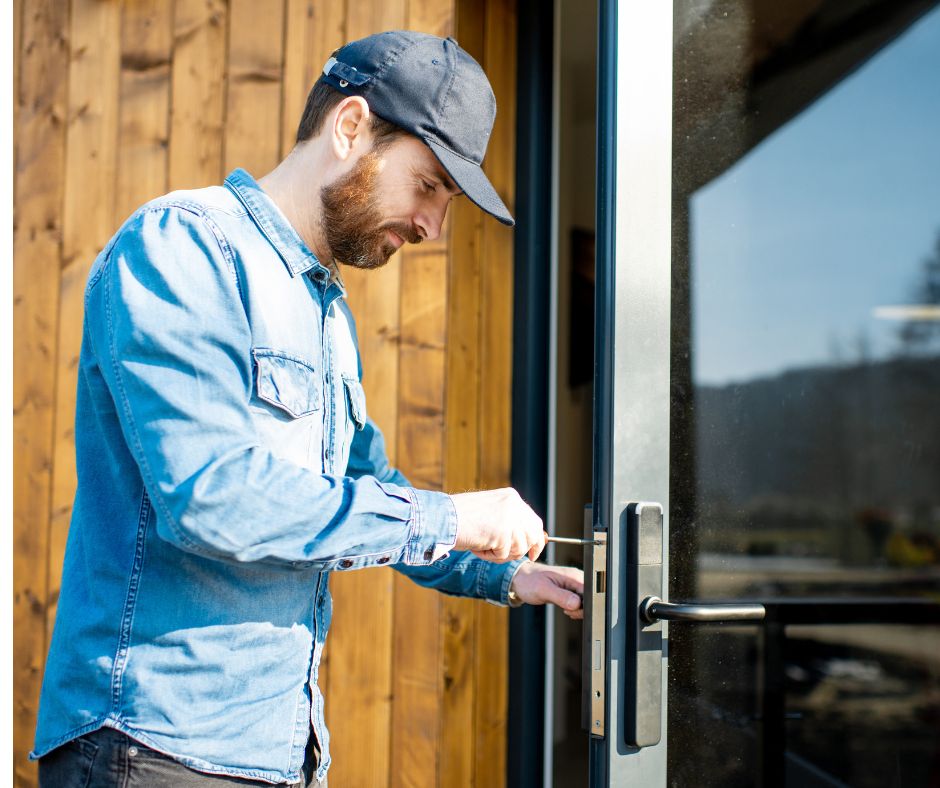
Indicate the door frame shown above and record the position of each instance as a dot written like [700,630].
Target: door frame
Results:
[632,350]
[528,755]
[632,337]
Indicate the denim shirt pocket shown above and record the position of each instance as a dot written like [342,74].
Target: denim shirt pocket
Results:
[288,407]
[287,382]
[357,401]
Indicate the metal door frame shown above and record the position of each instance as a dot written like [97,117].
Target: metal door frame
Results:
[528,748]
[632,348]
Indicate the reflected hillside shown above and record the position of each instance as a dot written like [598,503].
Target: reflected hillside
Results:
[838,463]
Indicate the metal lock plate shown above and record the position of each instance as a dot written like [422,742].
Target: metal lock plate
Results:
[594,642]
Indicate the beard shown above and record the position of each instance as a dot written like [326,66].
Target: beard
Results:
[351,219]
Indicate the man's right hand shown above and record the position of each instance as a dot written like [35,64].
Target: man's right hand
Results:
[498,525]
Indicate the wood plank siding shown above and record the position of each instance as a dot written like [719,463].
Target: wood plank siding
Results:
[118,101]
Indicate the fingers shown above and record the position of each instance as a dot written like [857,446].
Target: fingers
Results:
[523,534]
[568,601]
[497,525]
[490,555]
[536,549]
[531,529]
[571,578]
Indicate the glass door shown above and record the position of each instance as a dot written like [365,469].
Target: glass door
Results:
[805,397]
[767,395]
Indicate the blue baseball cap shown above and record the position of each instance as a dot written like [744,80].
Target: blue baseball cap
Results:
[431,88]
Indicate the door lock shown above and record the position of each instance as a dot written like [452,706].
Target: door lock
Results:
[594,630]
[641,541]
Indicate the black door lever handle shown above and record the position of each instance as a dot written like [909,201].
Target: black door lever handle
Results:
[653,609]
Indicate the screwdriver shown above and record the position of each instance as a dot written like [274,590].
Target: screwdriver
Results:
[567,540]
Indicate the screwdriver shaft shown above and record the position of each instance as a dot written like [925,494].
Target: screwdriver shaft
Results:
[566,540]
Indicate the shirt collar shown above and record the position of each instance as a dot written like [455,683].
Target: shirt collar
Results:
[283,237]
[336,278]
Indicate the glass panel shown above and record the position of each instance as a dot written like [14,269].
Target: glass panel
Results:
[806,381]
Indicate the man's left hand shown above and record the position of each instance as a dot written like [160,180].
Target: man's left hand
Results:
[539,584]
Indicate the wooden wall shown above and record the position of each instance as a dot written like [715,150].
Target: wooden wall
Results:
[117,102]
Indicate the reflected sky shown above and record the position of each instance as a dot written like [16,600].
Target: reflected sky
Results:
[828,218]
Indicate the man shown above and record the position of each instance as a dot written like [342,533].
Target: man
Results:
[226,462]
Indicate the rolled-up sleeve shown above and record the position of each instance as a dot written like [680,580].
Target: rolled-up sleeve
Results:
[169,332]
[454,572]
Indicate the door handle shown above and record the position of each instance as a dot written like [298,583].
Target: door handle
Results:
[642,547]
[653,609]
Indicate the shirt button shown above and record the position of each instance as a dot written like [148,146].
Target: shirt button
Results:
[345,563]
[383,560]
[131,751]
[429,554]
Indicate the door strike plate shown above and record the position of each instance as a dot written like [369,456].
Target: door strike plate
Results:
[598,606]
[594,639]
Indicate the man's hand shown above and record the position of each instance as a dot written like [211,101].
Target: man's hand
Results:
[539,584]
[497,525]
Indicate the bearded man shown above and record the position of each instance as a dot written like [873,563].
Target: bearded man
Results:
[226,463]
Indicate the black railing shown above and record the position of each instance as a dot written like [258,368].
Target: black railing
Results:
[772,734]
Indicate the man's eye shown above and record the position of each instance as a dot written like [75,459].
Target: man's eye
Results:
[429,187]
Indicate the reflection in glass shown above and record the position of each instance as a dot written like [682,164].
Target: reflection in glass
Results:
[806,379]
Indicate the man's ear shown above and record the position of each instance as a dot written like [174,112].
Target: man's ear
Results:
[351,127]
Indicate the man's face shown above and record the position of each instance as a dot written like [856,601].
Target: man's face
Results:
[395,194]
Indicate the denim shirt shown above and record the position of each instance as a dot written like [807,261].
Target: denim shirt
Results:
[226,465]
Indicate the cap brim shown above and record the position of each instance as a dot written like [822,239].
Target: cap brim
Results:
[470,177]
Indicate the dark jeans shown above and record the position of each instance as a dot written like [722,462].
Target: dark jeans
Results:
[107,758]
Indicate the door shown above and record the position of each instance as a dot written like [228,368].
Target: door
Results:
[766,395]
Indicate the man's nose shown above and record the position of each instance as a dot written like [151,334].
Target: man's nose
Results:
[430,220]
